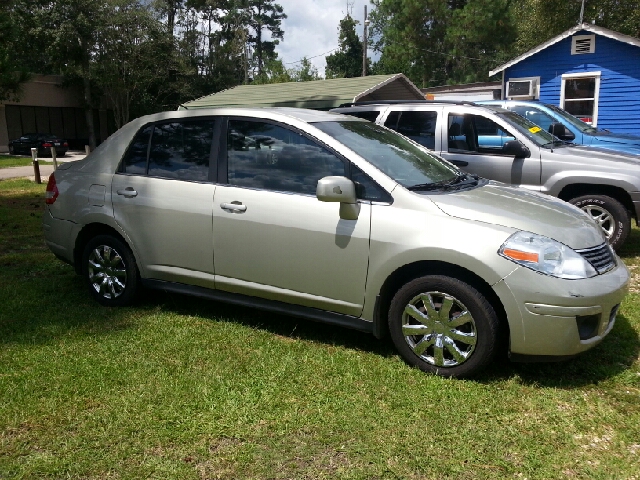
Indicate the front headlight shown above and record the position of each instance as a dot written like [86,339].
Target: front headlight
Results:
[547,256]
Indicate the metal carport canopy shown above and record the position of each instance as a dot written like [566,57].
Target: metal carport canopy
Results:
[318,94]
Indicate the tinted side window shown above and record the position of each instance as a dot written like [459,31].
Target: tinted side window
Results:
[267,156]
[135,159]
[392,120]
[419,127]
[369,115]
[181,150]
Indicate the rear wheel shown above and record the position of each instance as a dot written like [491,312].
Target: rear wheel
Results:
[110,271]
[609,213]
[443,326]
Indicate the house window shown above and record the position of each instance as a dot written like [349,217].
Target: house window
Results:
[579,95]
[581,44]
[524,88]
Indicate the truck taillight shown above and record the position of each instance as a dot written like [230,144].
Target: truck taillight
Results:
[52,190]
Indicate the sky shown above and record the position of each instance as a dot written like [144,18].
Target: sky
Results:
[311,29]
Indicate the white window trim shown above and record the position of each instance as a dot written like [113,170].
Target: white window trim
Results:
[596,93]
[536,92]
[592,44]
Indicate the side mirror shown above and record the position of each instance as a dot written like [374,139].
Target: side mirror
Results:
[559,130]
[516,149]
[339,189]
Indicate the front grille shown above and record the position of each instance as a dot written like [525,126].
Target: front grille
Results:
[600,257]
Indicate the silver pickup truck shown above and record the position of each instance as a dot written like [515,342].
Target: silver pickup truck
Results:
[501,145]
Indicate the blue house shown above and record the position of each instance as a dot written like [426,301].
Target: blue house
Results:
[590,71]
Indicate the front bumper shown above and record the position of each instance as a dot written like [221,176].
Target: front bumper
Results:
[635,198]
[552,317]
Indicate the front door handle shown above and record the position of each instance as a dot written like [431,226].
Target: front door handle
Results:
[128,192]
[234,207]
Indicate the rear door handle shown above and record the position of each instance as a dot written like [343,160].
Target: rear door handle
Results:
[128,192]
[234,207]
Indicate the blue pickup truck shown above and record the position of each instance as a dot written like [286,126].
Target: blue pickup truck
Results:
[567,127]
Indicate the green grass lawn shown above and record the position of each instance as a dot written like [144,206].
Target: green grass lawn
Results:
[178,387]
[7,161]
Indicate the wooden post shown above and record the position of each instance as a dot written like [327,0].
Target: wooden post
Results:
[36,165]
[87,150]
[54,158]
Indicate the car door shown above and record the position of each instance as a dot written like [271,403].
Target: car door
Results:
[474,143]
[272,237]
[162,199]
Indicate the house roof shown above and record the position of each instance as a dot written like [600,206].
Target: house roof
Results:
[318,94]
[578,28]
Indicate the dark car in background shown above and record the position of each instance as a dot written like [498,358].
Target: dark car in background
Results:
[42,141]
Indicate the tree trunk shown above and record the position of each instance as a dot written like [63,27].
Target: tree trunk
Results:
[88,104]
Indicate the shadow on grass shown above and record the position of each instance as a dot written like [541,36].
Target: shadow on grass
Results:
[281,325]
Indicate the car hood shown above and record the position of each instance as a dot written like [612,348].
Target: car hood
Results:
[522,209]
[600,154]
[623,138]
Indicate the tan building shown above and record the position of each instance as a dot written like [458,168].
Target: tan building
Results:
[45,106]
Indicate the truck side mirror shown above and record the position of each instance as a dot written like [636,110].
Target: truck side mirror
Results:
[339,189]
[561,131]
[515,148]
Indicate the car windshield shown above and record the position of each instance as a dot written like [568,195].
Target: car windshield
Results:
[399,158]
[529,129]
[576,122]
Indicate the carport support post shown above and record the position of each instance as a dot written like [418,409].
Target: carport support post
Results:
[36,165]
[54,158]
[87,150]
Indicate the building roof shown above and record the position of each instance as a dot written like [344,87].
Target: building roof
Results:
[318,94]
[578,28]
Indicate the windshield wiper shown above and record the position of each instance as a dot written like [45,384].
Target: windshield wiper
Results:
[460,180]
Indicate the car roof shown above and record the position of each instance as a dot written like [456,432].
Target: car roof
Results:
[301,114]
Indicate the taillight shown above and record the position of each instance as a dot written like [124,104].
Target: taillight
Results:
[52,190]
[47,145]
[65,144]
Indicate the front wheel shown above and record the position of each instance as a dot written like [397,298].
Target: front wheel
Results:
[443,326]
[609,214]
[110,271]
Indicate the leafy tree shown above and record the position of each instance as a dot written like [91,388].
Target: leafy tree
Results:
[274,72]
[436,42]
[133,60]
[305,72]
[13,70]
[347,61]
[264,14]
[540,20]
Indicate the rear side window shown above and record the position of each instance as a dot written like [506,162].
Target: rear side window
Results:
[419,127]
[135,160]
[177,150]
[181,150]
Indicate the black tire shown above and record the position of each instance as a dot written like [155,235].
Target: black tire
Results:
[609,213]
[445,349]
[110,271]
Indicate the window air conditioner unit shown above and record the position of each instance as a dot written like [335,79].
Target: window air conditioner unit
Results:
[522,89]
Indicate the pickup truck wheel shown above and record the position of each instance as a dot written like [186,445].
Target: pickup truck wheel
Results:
[110,271]
[609,213]
[443,326]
